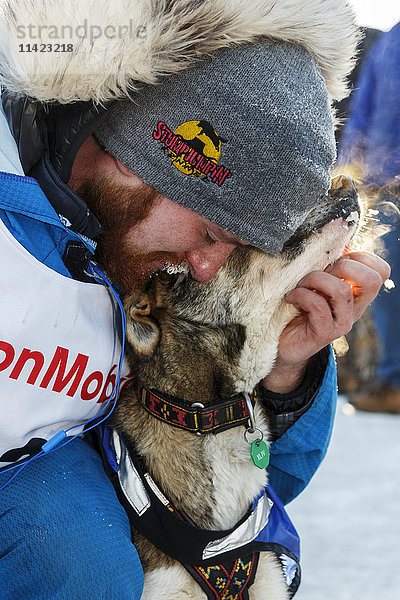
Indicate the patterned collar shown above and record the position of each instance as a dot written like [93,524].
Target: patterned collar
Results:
[195,417]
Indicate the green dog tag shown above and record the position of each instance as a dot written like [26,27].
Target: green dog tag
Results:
[259,454]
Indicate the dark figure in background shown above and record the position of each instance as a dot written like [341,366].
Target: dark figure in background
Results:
[370,36]
[370,143]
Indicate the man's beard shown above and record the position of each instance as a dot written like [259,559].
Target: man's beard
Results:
[118,210]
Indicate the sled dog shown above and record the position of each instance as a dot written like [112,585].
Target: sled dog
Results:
[189,437]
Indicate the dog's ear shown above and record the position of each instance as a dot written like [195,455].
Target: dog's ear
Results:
[143,331]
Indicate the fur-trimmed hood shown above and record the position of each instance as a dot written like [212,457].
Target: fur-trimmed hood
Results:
[118,44]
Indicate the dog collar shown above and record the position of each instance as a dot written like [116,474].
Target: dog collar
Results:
[196,417]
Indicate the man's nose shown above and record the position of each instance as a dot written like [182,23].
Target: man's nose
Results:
[205,261]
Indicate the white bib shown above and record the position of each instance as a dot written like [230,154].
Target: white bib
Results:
[59,349]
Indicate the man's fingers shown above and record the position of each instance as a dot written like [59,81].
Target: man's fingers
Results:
[364,279]
[370,260]
[330,302]
[322,321]
[308,301]
[336,294]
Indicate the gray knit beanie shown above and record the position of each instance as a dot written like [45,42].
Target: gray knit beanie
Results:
[244,138]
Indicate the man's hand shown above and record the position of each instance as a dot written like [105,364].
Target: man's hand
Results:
[330,302]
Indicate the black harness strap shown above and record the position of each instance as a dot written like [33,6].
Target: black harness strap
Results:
[225,568]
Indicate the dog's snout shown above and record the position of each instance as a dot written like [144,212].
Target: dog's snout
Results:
[342,183]
[343,195]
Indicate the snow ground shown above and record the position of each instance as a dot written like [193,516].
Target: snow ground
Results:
[349,516]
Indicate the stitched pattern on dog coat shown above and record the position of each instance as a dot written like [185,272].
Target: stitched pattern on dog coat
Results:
[227,581]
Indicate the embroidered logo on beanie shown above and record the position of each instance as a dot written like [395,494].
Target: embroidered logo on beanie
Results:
[194,148]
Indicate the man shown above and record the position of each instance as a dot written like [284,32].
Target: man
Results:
[236,149]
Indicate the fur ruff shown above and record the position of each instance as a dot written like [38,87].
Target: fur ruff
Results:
[177,34]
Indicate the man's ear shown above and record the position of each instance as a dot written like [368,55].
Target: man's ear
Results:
[142,332]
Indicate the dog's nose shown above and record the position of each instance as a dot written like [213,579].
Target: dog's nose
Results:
[205,261]
[343,184]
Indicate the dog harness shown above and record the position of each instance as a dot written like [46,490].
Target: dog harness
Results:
[224,563]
